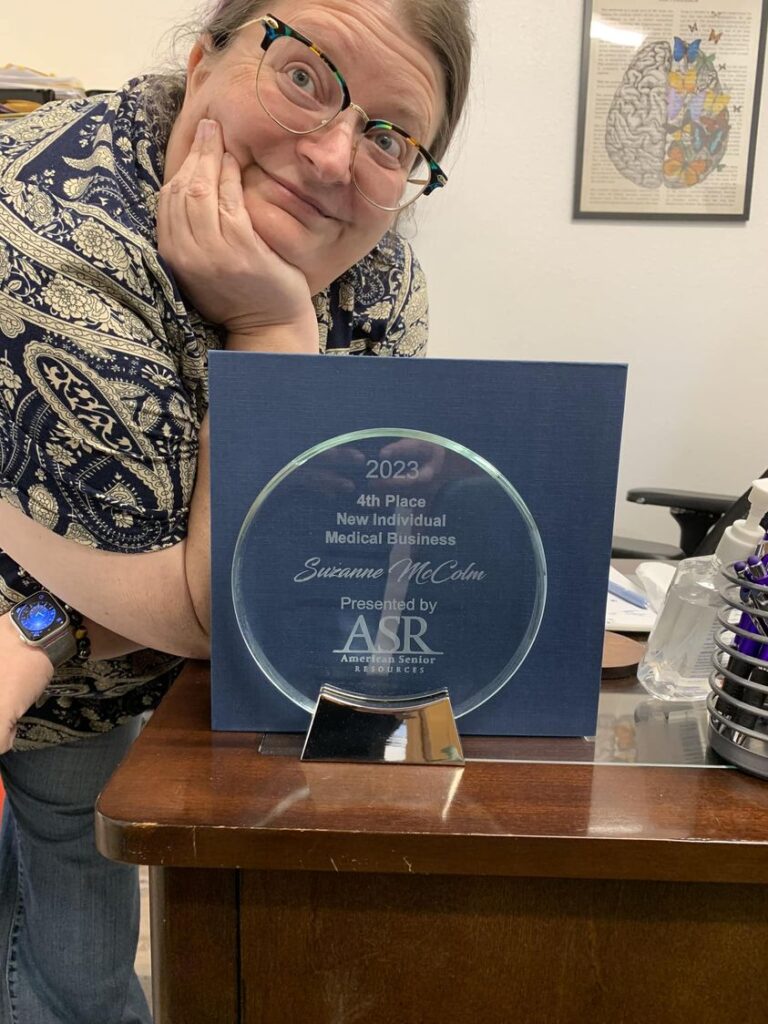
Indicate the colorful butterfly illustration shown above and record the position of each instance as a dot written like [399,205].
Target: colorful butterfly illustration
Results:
[706,69]
[711,141]
[714,37]
[682,132]
[696,105]
[714,102]
[675,102]
[713,124]
[707,61]
[714,142]
[689,104]
[688,51]
[682,83]
[679,172]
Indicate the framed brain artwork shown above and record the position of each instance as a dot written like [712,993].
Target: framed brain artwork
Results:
[668,111]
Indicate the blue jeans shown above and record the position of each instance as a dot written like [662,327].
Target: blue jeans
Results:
[69,918]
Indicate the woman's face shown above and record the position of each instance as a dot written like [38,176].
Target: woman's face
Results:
[298,188]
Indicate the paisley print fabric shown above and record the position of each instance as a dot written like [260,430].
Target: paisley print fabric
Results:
[103,365]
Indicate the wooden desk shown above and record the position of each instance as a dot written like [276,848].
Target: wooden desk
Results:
[290,893]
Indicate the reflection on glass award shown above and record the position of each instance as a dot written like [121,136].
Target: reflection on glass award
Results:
[388,564]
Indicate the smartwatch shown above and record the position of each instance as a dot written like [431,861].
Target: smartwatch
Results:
[42,622]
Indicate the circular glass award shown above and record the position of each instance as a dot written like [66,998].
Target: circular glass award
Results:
[389,563]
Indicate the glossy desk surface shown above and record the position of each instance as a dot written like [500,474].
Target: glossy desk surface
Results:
[188,797]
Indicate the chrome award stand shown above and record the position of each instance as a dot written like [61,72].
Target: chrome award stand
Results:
[418,729]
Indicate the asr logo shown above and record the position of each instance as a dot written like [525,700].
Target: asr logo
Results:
[388,638]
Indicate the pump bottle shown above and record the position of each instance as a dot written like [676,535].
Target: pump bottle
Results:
[678,660]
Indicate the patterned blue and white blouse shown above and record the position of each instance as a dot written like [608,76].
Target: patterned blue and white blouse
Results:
[103,364]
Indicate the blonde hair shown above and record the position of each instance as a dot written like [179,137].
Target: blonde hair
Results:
[442,25]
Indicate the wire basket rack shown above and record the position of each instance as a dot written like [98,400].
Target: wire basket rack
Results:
[738,703]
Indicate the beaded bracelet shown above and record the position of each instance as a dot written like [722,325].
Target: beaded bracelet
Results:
[80,632]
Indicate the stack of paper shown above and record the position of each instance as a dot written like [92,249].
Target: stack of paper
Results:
[624,613]
[18,77]
[18,86]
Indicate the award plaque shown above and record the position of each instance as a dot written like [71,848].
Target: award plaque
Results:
[396,584]
[388,561]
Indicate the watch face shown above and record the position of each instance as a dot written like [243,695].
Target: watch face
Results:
[39,616]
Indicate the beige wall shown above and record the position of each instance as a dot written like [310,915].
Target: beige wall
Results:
[101,42]
[511,275]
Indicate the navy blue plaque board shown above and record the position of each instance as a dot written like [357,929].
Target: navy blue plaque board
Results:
[393,526]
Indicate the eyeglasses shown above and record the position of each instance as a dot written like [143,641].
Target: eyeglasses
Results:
[302,91]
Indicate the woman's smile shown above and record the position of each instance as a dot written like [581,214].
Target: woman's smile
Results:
[295,200]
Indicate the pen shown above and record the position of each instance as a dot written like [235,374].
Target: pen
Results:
[750,648]
[627,595]
[758,573]
[740,643]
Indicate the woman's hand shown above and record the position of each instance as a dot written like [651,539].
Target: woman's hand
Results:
[205,235]
[26,673]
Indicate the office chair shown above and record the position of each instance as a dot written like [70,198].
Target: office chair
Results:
[702,518]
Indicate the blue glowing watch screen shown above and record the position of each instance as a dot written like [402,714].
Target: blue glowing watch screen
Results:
[38,617]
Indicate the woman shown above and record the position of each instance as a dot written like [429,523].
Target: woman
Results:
[282,178]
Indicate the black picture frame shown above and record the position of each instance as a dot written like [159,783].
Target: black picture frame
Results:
[592,162]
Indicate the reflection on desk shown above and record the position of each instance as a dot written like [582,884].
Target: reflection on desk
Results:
[632,729]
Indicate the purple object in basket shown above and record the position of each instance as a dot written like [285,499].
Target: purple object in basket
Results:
[750,648]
